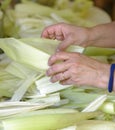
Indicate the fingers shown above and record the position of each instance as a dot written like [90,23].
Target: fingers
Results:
[58,57]
[61,32]
[57,68]
[48,33]
[60,77]
[58,71]
[53,32]
[66,81]
[64,44]
[52,35]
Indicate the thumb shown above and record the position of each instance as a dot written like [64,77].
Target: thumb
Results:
[64,45]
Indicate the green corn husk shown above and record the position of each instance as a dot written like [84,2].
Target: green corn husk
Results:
[31,52]
[19,70]
[96,125]
[70,128]
[45,121]
[1,24]
[24,53]
[93,106]
[99,51]
[108,107]
[5,4]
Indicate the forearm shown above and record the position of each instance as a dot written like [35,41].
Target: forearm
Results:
[103,35]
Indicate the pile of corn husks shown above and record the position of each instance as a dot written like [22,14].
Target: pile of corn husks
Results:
[28,18]
[29,101]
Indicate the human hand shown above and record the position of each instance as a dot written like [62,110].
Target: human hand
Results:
[77,69]
[67,34]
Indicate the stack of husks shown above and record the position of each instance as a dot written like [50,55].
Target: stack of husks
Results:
[29,101]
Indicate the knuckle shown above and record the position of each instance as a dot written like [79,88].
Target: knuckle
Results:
[52,69]
[74,66]
[56,77]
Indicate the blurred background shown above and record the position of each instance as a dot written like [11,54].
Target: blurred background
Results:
[107,5]
[27,18]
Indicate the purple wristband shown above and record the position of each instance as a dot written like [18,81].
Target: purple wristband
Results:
[111,78]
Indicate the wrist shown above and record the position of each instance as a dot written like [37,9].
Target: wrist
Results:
[95,35]
[102,35]
[103,78]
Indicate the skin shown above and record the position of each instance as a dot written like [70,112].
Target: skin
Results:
[76,68]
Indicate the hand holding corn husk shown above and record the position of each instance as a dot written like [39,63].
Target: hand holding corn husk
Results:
[101,35]
[72,68]
[68,34]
